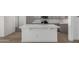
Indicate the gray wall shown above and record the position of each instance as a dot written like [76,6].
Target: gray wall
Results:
[30,19]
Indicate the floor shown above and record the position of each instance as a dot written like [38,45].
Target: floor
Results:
[62,37]
[12,38]
[16,38]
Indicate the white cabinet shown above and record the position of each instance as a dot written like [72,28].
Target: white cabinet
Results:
[39,33]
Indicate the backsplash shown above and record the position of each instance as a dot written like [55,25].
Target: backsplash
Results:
[52,17]
[31,19]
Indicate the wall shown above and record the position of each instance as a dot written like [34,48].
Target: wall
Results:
[9,25]
[30,19]
[75,24]
[22,20]
[73,28]
[70,29]
[16,21]
[1,26]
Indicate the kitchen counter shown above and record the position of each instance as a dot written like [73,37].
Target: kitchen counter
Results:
[39,33]
[39,26]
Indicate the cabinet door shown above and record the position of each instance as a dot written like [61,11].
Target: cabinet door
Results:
[39,35]
[46,35]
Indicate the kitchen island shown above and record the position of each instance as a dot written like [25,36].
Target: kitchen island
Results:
[39,33]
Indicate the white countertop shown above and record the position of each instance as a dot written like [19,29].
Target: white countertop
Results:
[38,26]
